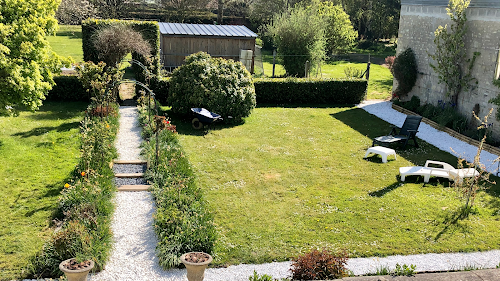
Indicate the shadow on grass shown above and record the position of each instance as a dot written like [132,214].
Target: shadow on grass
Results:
[52,110]
[70,34]
[184,127]
[372,127]
[385,190]
[453,221]
[43,130]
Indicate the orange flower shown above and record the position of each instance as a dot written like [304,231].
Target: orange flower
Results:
[83,174]
[107,126]
[66,185]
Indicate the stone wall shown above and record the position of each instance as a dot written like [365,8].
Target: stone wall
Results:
[416,30]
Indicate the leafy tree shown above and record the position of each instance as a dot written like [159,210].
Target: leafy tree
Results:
[99,81]
[115,42]
[299,36]
[451,55]
[182,7]
[262,11]
[110,9]
[339,32]
[374,19]
[26,59]
[74,11]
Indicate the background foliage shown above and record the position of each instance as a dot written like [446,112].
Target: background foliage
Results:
[26,59]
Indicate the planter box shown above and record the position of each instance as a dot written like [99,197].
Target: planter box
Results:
[486,147]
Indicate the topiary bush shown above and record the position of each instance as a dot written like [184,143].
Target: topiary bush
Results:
[219,85]
[405,72]
[320,265]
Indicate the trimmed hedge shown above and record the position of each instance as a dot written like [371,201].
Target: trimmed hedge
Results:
[149,29]
[312,91]
[292,90]
[67,88]
[160,86]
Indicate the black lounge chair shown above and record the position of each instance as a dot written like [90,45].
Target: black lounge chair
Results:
[407,132]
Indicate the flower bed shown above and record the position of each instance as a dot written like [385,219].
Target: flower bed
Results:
[84,213]
[182,221]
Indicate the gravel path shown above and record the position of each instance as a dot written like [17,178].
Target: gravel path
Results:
[129,135]
[133,257]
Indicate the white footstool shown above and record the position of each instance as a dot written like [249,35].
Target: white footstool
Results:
[382,151]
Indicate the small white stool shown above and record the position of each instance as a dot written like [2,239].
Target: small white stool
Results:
[382,151]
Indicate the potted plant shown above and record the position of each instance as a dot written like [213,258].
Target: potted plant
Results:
[76,271]
[195,263]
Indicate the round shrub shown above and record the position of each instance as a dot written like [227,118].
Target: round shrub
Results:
[221,86]
[405,72]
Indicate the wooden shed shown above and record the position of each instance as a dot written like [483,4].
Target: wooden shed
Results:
[179,40]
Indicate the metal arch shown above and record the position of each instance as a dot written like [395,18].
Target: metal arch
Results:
[123,81]
[138,63]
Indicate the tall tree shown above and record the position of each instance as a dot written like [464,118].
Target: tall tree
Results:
[299,36]
[110,9]
[26,59]
[339,32]
[74,11]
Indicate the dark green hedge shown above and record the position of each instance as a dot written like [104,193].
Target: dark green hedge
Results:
[160,87]
[292,90]
[149,29]
[311,91]
[67,88]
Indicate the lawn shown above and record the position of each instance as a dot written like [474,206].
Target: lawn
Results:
[38,151]
[380,82]
[290,179]
[67,42]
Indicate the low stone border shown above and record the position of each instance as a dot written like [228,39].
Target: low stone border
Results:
[486,147]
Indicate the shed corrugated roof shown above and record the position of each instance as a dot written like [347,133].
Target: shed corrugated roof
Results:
[167,28]
[444,3]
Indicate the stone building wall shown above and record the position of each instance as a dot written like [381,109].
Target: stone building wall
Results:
[416,30]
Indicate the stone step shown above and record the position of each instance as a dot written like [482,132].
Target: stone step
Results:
[133,175]
[132,162]
[134,187]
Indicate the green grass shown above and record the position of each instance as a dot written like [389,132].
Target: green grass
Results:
[67,42]
[38,151]
[290,179]
[380,82]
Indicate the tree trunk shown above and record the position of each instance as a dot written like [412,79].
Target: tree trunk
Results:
[220,11]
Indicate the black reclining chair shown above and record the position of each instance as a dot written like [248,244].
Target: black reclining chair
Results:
[407,132]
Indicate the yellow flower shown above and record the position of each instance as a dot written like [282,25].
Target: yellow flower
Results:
[66,185]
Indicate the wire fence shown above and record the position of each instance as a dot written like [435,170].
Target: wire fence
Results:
[256,61]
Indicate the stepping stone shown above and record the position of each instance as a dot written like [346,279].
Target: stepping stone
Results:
[142,187]
[130,175]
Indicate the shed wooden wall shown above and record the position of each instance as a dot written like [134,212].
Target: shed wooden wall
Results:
[175,49]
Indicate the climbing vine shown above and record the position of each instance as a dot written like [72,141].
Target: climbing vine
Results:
[451,56]
[496,100]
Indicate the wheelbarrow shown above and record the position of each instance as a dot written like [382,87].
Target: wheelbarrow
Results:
[203,117]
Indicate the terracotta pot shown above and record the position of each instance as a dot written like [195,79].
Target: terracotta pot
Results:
[195,271]
[76,274]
